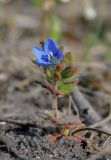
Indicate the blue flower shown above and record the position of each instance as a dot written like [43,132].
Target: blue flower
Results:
[48,55]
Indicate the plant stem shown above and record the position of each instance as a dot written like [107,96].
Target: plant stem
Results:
[54,106]
[54,101]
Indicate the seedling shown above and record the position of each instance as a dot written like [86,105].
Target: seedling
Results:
[57,68]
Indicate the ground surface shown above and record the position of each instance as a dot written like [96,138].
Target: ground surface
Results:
[24,132]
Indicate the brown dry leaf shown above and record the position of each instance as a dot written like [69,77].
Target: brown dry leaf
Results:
[54,137]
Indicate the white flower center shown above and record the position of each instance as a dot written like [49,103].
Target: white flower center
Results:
[50,55]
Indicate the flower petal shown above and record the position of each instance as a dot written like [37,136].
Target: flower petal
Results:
[42,63]
[50,45]
[38,52]
[59,55]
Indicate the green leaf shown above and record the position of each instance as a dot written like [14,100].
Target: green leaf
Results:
[68,72]
[68,80]
[68,58]
[49,75]
[65,88]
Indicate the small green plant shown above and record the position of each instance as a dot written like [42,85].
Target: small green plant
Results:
[57,69]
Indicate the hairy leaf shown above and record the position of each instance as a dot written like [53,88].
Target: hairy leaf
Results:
[68,58]
[65,88]
[68,72]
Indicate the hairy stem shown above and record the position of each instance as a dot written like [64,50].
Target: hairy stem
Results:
[54,106]
[54,101]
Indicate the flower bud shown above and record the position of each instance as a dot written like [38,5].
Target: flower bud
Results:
[57,76]
[58,68]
